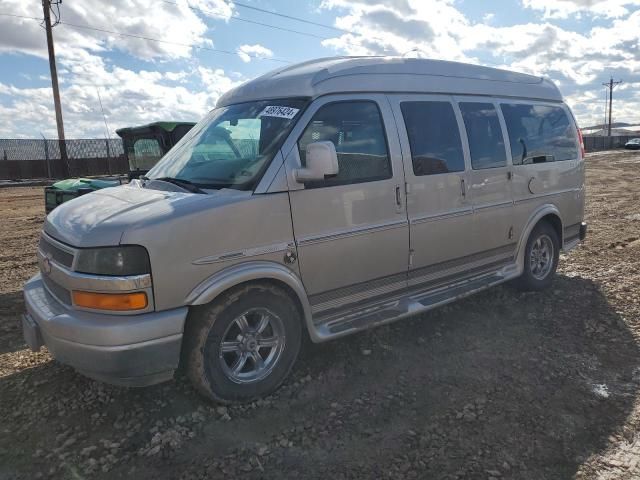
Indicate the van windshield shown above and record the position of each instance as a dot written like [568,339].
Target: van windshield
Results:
[231,146]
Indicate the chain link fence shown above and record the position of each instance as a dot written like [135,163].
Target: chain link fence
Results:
[598,144]
[30,159]
[33,159]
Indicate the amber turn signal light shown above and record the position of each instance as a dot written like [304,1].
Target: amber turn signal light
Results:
[111,301]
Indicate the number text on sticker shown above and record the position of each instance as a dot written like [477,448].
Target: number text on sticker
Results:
[280,112]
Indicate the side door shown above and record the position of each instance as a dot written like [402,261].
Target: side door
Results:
[490,179]
[438,204]
[351,230]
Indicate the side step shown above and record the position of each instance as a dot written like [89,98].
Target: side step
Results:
[390,311]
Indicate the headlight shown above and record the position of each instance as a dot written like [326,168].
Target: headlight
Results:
[119,261]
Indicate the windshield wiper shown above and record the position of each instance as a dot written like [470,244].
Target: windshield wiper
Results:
[180,182]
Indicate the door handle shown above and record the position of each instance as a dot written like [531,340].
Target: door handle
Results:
[463,188]
[398,199]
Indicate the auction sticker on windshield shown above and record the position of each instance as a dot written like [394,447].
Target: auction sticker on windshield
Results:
[280,112]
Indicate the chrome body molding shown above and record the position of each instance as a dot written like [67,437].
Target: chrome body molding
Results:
[344,296]
[496,256]
[352,232]
[443,216]
[247,253]
[480,208]
[545,195]
[396,307]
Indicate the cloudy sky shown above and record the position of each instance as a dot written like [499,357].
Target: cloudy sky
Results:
[204,47]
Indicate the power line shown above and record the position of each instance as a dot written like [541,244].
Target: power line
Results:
[150,39]
[275,27]
[209,12]
[253,22]
[290,17]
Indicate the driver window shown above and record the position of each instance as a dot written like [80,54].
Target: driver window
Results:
[357,131]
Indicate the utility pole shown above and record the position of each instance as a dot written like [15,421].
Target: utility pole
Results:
[611,85]
[64,161]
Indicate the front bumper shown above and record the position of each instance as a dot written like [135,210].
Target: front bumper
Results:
[130,350]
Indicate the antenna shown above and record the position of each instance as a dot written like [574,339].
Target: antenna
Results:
[104,117]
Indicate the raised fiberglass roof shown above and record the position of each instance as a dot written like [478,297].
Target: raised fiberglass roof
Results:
[389,74]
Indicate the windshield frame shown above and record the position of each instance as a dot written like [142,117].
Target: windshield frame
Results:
[252,183]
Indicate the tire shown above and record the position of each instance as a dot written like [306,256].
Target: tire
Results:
[535,277]
[218,372]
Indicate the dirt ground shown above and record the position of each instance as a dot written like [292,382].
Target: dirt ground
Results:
[501,385]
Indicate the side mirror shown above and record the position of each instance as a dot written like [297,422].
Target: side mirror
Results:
[322,160]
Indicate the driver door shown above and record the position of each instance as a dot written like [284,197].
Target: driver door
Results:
[351,230]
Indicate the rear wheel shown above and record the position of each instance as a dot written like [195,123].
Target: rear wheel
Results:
[540,258]
[244,344]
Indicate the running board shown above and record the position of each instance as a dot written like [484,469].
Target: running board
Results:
[415,303]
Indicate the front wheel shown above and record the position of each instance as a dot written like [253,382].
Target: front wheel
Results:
[540,258]
[244,344]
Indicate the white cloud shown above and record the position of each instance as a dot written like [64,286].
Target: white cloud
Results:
[129,97]
[142,18]
[249,52]
[488,17]
[596,8]
[577,61]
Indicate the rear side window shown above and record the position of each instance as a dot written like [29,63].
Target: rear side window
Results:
[539,133]
[434,137]
[357,131]
[485,135]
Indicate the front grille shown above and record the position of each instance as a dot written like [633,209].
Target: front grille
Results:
[57,254]
[56,290]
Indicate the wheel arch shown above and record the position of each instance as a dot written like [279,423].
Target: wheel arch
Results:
[250,272]
[548,213]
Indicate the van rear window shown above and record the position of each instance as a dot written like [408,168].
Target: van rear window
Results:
[539,133]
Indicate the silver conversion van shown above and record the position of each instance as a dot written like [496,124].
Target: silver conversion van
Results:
[320,199]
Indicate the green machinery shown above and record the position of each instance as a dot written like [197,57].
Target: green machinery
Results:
[143,147]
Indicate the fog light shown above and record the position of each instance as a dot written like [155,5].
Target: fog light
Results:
[111,301]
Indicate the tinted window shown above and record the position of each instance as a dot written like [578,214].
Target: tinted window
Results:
[434,137]
[485,136]
[356,130]
[539,133]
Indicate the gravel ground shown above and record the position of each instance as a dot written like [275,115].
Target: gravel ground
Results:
[501,385]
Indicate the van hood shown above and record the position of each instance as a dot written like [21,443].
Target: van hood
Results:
[101,218]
